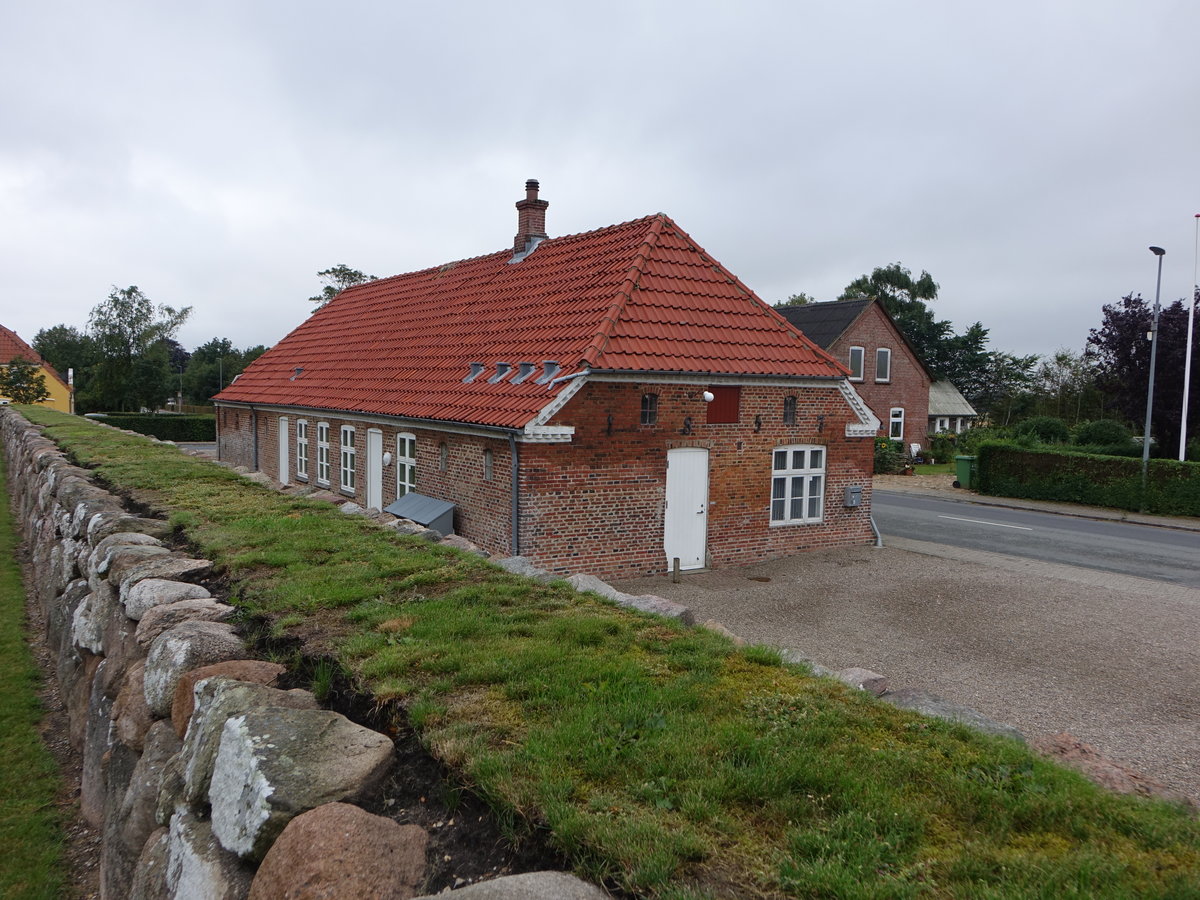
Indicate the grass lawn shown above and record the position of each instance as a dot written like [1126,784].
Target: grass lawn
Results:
[30,833]
[935,469]
[660,759]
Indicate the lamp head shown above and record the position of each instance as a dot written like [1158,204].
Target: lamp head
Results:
[1157,251]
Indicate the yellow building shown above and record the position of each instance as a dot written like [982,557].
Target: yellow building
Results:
[12,347]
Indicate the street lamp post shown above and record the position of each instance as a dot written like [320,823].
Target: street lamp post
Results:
[1159,252]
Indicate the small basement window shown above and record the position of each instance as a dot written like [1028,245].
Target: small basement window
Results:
[649,409]
[789,410]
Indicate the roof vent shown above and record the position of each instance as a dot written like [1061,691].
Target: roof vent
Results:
[476,371]
[524,370]
[299,371]
[552,368]
[502,370]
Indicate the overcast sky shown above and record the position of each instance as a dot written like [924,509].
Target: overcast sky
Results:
[219,154]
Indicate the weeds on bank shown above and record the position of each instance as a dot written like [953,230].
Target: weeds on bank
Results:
[30,825]
[660,759]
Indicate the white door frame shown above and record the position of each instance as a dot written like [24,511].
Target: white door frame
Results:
[685,513]
[284,462]
[374,468]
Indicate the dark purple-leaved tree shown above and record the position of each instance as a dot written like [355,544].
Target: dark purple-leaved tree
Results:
[1119,353]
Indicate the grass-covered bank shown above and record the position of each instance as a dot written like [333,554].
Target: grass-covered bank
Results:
[658,758]
[30,824]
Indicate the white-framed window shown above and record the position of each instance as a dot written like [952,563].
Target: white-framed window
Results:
[943,423]
[406,463]
[797,485]
[896,424]
[348,458]
[301,448]
[856,363]
[323,452]
[883,364]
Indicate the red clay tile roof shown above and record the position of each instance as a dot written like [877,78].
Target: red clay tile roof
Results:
[636,297]
[11,347]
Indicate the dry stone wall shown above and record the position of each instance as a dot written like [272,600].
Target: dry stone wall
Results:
[205,779]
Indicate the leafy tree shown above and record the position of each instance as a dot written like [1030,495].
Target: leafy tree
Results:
[337,279]
[1000,389]
[131,336]
[1119,354]
[945,354]
[21,382]
[801,299]
[1065,387]
[1044,429]
[213,365]
[64,347]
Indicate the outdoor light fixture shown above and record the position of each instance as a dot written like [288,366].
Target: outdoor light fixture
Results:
[1159,252]
[708,396]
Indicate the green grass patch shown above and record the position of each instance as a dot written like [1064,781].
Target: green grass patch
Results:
[660,759]
[30,825]
[934,469]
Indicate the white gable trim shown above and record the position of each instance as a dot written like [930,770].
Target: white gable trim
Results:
[868,422]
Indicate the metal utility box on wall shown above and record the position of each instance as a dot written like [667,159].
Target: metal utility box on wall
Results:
[427,511]
[853,495]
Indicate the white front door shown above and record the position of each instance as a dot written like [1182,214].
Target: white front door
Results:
[374,469]
[283,451]
[685,520]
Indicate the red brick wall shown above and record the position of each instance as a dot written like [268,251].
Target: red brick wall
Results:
[909,385]
[596,504]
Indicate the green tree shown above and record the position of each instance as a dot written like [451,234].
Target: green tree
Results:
[944,353]
[132,340]
[337,279]
[800,299]
[21,382]
[213,365]
[1001,390]
[65,348]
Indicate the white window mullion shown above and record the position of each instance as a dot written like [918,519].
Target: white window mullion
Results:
[797,485]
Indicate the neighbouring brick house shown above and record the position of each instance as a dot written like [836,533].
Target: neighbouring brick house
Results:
[13,347]
[884,367]
[603,402]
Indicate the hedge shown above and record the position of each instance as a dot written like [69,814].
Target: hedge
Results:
[165,427]
[1005,470]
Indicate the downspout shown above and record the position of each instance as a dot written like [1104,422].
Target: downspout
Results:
[875,528]
[550,384]
[254,429]
[516,495]
[217,411]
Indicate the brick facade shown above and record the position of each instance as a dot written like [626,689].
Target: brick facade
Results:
[908,388]
[596,504]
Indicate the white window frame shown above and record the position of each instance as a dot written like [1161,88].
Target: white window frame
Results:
[896,418]
[798,484]
[322,453]
[943,424]
[348,459]
[302,448]
[883,354]
[406,463]
[862,361]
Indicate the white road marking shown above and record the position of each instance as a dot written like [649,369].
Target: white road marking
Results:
[981,522]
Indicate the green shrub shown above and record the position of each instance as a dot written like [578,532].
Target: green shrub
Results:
[1043,429]
[943,447]
[969,441]
[1172,489]
[889,456]
[165,427]
[1101,433]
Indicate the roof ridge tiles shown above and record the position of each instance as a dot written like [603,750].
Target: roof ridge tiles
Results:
[612,315]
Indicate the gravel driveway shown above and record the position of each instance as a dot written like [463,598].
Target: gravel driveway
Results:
[1048,648]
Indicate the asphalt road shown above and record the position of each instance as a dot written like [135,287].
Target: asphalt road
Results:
[1144,551]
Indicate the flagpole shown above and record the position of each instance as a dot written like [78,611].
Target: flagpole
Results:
[1187,364]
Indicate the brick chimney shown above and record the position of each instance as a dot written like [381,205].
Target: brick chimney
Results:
[531,217]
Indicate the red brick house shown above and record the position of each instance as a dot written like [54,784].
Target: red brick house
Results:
[602,402]
[884,368]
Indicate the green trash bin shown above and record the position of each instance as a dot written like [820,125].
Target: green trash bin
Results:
[964,468]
